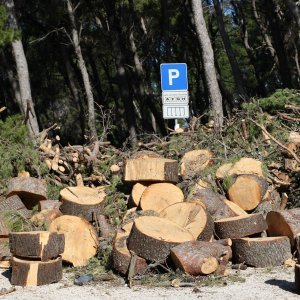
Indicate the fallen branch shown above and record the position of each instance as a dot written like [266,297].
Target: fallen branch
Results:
[276,141]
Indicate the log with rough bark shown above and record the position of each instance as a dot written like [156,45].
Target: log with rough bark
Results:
[45,217]
[43,245]
[191,216]
[35,272]
[46,204]
[81,241]
[153,237]
[235,208]
[284,223]
[194,161]
[120,254]
[297,278]
[213,201]
[240,226]
[158,196]
[82,201]
[136,194]
[14,203]
[247,191]
[31,190]
[245,165]
[261,252]
[198,257]
[151,169]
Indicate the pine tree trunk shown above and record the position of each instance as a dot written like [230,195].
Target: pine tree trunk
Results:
[84,73]
[208,62]
[23,73]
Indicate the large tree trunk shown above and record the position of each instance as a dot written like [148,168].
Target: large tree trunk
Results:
[84,73]
[23,73]
[208,62]
[236,72]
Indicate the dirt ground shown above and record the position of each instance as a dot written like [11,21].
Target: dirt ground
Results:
[268,284]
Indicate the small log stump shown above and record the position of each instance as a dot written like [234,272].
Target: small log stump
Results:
[82,201]
[120,254]
[240,226]
[42,245]
[35,273]
[152,237]
[31,190]
[158,196]
[261,252]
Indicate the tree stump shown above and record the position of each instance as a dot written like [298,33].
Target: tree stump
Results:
[120,254]
[151,169]
[247,191]
[81,240]
[158,196]
[14,203]
[192,217]
[34,273]
[153,237]
[284,223]
[261,252]
[136,194]
[82,201]
[42,245]
[240,226]
[31,190]
[194,161]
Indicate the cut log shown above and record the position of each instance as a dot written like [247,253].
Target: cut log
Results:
[192,217]
[34,273]
[81,241]
[198,257]
[46,204]
[261,252]
[158,196]
[240,226]
[153,237]
[45,217]
[120,254]
[42,245]
[14,203]
[151,169]
[143,154]
[235,208]
[284,223]
[247,191]
[136,194]
[31,190]
[297,278]
[194,161]
[5,264]
[244,166]
[224,242]
[82,201]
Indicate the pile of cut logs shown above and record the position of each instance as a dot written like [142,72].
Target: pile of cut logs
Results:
[198,234]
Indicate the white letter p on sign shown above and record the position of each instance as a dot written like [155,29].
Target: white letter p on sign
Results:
[173,73]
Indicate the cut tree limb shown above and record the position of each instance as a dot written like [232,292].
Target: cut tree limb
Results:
[82,201]
[153,237]
[284,223]
[151,169]
[43,245]
[14,203]
[81,241]
[136,194]
[35,273]
[261,252]
[241,226]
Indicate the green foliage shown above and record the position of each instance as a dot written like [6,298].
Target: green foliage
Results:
[16,149]
[16,222]
[228,181]
[6,35]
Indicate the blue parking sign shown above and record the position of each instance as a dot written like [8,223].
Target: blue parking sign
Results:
[174,77]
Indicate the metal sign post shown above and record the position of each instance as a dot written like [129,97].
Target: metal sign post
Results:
[175,95]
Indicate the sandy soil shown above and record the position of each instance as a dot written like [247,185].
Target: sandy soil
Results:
[277,283]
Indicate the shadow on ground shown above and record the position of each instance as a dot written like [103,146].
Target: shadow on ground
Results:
[7,274]
[288,286]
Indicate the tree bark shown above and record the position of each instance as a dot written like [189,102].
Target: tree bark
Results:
[208,62]
[23,73]
[236,72]
[294,9]
[84,73]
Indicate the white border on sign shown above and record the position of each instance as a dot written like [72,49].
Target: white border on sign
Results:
[173,64]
